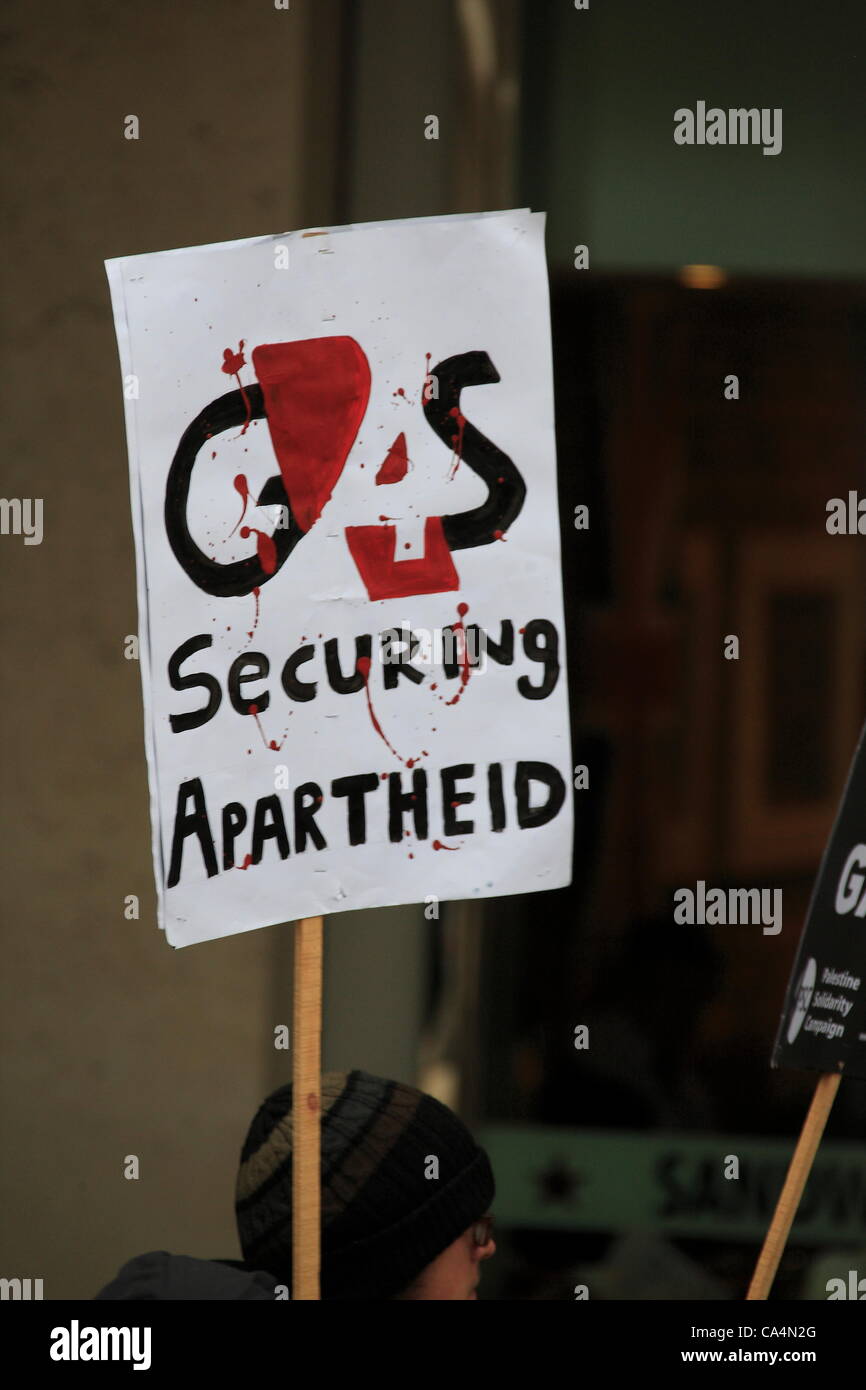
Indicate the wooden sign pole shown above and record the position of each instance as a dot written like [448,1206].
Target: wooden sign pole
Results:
[795,1181]
[306,1108]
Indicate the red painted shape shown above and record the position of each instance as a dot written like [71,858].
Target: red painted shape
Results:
[315,392]
[396,462]
[373,549]
[248,858]
[437,844]
[257,596]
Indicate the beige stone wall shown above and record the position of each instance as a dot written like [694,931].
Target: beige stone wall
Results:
[114,1044]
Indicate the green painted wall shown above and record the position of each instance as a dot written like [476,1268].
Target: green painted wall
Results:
[601,89]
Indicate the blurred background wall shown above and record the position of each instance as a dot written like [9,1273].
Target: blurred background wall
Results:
[599,91]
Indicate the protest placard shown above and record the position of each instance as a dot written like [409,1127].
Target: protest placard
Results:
[823,1024]
[343,486]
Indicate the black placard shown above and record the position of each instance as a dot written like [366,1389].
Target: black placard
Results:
[823,1024]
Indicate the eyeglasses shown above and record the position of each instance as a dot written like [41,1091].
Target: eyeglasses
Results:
[482,1230]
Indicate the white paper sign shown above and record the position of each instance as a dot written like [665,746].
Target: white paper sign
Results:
[336,438]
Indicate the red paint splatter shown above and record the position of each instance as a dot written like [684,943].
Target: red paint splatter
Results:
[364,668]
[399,392]
[267,551]
[256,595]
[437,844]
[232,363]
[457,439]
[240,485]
[425,390]
[363,665]
[499,536]
[248,859]
[387,518]
[272,743]
[395,465]
[465,667]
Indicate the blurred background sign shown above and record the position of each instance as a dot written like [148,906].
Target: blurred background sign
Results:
[672,1184]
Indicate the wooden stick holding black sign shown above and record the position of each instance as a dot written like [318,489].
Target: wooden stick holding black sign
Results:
[795,1182]
[306,1108]
[815,1031]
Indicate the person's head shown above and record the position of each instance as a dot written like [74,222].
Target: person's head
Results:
[405,1193]
[456,1273]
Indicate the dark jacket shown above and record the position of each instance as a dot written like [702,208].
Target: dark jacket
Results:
[159,1275]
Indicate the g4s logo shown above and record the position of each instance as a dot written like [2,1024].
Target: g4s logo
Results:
[313,394]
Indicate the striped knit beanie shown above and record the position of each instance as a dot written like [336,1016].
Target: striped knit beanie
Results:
[385,1217]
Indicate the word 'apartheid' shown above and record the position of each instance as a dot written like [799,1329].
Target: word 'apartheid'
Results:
[398,803]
